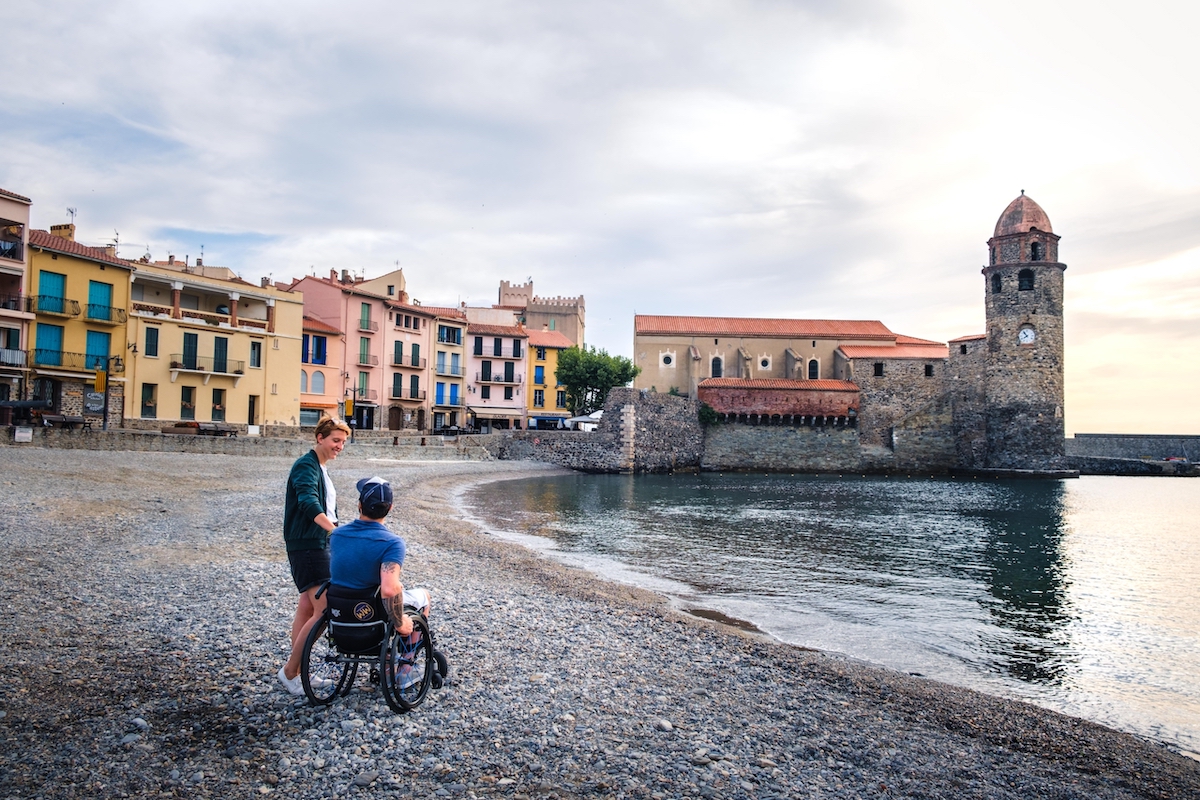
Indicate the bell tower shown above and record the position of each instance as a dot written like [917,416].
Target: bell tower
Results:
[1023,285]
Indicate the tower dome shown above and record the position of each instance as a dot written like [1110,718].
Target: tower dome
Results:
[1022,216]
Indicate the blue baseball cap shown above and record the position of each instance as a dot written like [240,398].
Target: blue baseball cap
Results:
[375,497]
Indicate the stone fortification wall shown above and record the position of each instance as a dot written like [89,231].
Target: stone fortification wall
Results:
[1120,445]
[657,432]
[925,440]
[967,372]
[1095,465]
[587,452]
[781,448]
[902,389]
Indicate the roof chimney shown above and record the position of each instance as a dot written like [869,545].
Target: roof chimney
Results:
[65,231]
[345,276]
[110,249]
[265,282]
[333,274]
[170,259]
[199,261]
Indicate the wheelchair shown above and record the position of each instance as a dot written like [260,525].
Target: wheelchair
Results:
[355,630]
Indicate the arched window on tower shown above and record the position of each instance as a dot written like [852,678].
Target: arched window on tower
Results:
[1025,280]
[303,381]
[1035,251]
[996,283]
[716,367]
[814,370]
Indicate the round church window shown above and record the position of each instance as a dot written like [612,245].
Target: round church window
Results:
[667,360]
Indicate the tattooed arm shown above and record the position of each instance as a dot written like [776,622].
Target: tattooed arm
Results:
[392,592]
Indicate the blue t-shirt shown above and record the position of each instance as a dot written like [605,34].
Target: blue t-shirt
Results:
[356,551]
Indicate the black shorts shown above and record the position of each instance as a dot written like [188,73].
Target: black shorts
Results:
[310,568]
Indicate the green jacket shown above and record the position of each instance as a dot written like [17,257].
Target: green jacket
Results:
[304,501]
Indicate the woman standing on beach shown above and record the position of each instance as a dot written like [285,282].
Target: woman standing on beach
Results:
[309,514]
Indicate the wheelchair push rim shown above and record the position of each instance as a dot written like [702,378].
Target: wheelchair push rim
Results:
[324,671]
[408,665]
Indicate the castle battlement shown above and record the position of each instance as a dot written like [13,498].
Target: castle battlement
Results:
[566,302]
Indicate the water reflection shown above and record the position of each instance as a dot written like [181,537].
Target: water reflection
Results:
[1025,529]
[1076,594]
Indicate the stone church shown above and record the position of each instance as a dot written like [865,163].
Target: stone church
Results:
[795,394]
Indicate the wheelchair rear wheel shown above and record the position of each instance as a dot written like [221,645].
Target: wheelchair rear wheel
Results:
[408,666]
[324,672]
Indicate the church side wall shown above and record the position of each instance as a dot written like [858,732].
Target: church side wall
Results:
[901,390]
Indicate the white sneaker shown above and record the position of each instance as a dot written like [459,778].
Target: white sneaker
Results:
[317,682]
[293,685]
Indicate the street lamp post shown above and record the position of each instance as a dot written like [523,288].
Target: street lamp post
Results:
[118,366]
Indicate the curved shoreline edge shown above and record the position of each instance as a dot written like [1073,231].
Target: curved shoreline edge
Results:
[149,600]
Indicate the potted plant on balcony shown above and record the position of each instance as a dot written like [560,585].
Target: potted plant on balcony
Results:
[176,365]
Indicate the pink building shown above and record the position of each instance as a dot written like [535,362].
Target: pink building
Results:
[496,368]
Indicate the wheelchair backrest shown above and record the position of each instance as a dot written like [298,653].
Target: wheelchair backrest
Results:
[357,619]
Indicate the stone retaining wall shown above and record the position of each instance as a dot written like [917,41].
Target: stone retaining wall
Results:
[781,448]
[1128,445]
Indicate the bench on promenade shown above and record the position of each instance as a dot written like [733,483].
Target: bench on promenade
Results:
[65,421]
[216,429]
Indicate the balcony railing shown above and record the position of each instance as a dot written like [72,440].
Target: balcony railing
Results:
[368,325]
[207,364]
[59,358]
[367,360]
[444,369]
[49,304]
[503,352]
[408,361]
[12,250]
[494,377]
[398,393]
[113,316]
[451,402]
[14,302]
[366,394]
[13,358]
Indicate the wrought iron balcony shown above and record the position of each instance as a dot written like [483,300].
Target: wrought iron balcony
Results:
[367,360]
[208,364]
[49,304]
[493,377]
[12,250]
[408,361]
[368,325]
[108,314]
[399,393]
[14,302]
[445,369]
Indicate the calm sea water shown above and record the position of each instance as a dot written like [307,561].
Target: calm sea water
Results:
[1081,595]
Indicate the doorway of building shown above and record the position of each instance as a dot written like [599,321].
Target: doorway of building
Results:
[395,418]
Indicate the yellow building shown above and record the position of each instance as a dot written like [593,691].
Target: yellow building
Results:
[206,346]
[547,398]
[79,296]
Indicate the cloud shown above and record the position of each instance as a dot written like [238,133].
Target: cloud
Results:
[764,158]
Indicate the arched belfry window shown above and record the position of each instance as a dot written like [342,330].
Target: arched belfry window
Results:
[1035,251]
[814,370]
[1025,280]
[716,367]
[995,283]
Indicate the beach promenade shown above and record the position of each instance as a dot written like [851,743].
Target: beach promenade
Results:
[147,599]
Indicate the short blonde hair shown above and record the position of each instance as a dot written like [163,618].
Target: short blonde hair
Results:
[328,425]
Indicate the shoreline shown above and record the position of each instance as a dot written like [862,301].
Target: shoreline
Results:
[174,599]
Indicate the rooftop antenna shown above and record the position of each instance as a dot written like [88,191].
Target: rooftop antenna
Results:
[72,212]
[201,253]
[116,240]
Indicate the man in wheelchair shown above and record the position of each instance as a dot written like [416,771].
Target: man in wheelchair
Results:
[364,555]
[364,593]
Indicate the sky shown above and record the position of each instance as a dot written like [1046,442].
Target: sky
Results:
[757,158]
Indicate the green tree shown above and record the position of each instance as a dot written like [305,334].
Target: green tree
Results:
[588,374]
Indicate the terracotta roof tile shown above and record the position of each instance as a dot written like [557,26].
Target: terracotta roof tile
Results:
[314,324]
[15,196]
[749,326]
[902,339]
[513,331]
[778,383]
[447,312]
[549,339]
[900,351]
[45,240]
[973,337]
[411,309]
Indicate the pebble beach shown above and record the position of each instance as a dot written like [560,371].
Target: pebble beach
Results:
[147,601]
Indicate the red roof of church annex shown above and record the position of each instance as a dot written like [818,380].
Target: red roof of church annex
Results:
[932,350]
[1022,216]
[778,383]
[761,327]
[973,337]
